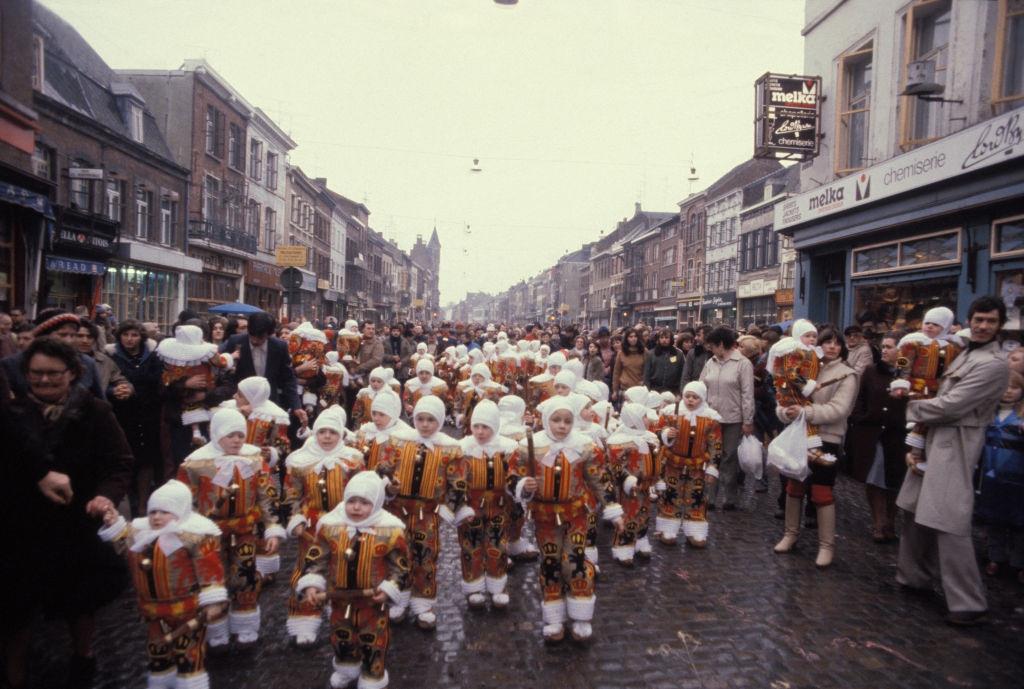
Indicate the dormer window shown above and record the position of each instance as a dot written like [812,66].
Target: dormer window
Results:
[135,122]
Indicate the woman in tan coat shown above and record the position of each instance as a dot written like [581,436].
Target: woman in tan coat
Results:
[831,403]
[629,365]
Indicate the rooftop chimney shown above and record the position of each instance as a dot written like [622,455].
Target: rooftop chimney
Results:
[638,207]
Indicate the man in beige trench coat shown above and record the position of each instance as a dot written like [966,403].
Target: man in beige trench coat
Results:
[939,499]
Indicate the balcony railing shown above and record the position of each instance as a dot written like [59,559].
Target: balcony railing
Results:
[220,234]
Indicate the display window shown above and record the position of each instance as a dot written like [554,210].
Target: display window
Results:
[902,305]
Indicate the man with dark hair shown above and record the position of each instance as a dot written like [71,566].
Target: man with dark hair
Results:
[445,338]
[258,353]
[697,357]
[663,364]
[937,495]
[398,347]
[370,354]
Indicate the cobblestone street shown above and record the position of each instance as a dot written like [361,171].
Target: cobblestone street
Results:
[734,615]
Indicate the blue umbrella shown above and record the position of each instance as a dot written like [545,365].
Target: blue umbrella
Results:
[236,307]
[784,324]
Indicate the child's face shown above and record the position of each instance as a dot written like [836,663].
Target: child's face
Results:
[588,413]
[327,438]
[158,519]
[562,390]
[232,443]
[809,339]
[424,376]
[426,424]
[477,379]
[560,424]
[376,384]
[380,420]
[481,433]
[931,329]
[1012,394]
[691,401]
[553,369]
[358,509]
[242,402]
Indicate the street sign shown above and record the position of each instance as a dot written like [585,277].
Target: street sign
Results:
[85,172]
[291,278]
[291,255]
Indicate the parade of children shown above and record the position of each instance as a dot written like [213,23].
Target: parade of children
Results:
[441,479]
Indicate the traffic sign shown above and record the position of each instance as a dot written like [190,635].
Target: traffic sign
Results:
[291,278]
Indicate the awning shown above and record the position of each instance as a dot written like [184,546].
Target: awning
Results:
[60,264]
[10,193]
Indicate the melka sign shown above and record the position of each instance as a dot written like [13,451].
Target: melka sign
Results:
[787,116]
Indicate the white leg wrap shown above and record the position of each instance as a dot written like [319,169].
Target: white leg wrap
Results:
[581,609]
[303,627]
[344,673]
[198,680]
[697,530]
[245,624]
[643,545]
[590,553]
[623,552]
[518,547]
[371,683]
[553,612]
[268,564]
[915,440]
[668,527]
[469,587]
[163,680]
[496,585]
[397,610]
[217,633]
[418,606]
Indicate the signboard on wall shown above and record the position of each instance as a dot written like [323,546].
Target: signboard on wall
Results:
[991,142]
[290,255]
[787,116]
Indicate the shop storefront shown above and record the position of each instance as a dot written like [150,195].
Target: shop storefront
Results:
[940,225]
[263,286]
[24,218]
[76,259]
[305,299]
[334,305]
[220,281]
[756,299]
[783,305]
[689,312]
[665,317]
[718,309]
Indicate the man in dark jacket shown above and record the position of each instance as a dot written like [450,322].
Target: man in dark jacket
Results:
[697,357]
[663,365]
[258,353]
[398,347]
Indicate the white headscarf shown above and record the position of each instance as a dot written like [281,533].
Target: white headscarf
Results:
[556,359]
[370,487]
[511,409]
[391,405]
[941,316]
[486,413]
[176,498]
[573,444]
[257,390]
[701,390]
[636,394]
[567,378]
[424,365]
[633,428]
[435,407]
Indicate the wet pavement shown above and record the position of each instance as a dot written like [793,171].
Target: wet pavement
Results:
[734,615]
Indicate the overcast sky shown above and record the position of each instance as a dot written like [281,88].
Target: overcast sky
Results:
[576,109]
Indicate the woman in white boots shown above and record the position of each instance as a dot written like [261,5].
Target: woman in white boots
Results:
[832,400]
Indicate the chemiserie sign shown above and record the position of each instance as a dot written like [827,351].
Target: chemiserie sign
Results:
[989,143]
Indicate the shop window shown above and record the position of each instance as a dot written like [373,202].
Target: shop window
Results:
[1008,66]
[926,37]
[901,306]
[1008,237]
[854,109]
[1010,286]
[142,293]
[925,251]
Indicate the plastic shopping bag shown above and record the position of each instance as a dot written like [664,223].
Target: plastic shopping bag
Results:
[749,452]
[788,452]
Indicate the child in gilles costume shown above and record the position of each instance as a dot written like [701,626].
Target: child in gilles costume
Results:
[428,475]
[175,561]
[186,355]
[230,486]
[359,561]
[633,469]
[380,379]
[690,455]
[425,384]
[558,473]
[520,548]
[266,428]
[314,485]
[372,436]
[484,537]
